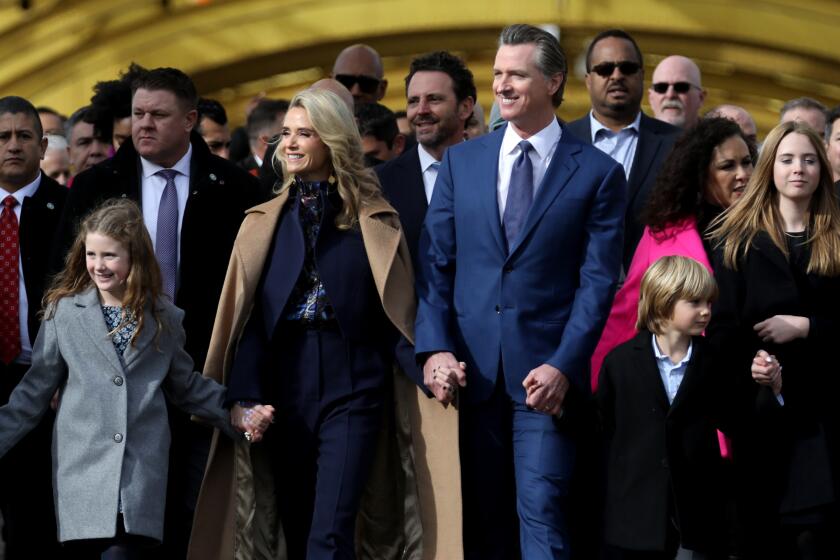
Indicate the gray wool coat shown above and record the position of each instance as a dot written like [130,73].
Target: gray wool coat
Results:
[111,436]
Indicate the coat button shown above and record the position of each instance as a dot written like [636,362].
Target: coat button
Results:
[118,381]
[498,309]
[507,269]
[118,438]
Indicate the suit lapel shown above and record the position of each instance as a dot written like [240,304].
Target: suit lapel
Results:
[487,178]
[561,169]
[692,375]
[649,370]
[92,323]
[646,149]
[415,187]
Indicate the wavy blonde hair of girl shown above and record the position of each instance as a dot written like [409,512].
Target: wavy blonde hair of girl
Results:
[758,210]
[122,221]
[336,127]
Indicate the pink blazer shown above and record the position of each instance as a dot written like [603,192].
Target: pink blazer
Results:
[680,239]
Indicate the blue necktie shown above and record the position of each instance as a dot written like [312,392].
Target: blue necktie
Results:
[520,194]
[166,237]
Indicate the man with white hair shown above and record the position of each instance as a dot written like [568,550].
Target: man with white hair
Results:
[676,93]
[56,162]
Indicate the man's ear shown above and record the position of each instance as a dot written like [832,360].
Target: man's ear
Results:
[191,118]
[383,87]
[465,108]
[398,144]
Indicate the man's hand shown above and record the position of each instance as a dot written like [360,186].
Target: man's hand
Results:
[443,374]
[782,328]
[767,371]
[253,420]
[546,388]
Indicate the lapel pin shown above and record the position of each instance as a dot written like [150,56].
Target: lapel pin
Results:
[50,206]
[212,176]
[195,193]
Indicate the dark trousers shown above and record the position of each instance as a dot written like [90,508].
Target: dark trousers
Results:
[329,412]
[514,459]
[123,546]
[26,494]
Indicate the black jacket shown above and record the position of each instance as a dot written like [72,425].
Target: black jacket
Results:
[402,184]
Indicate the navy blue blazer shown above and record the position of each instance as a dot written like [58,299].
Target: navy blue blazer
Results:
[545,300]
[656,138]
[402,184]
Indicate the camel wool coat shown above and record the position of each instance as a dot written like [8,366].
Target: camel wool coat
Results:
[235,515]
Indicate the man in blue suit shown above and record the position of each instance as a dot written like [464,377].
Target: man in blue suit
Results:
[519,257]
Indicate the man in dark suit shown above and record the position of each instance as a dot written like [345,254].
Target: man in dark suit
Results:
[31,206]
[521,253]
[440,95]
[193,203]
[617,126]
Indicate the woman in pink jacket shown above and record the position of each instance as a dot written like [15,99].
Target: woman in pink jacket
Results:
[705,173]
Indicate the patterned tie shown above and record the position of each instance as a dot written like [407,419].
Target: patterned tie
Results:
[166,238]
[9,282]
[520,194]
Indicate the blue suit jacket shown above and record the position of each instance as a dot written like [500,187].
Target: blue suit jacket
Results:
[545,300]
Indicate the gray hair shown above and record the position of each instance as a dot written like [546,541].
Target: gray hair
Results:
[56,142]
[551,60]
[803,103]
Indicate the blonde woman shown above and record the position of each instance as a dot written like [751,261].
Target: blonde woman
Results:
[778,267]
[318,292]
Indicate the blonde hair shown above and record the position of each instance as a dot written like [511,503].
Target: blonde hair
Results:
[336,126]
[667,281]
[758,210]
[122,221]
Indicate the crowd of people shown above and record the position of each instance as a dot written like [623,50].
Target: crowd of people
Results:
[341,331]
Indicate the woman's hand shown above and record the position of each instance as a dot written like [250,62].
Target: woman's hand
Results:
[767,371]
[783,328]
[253,421]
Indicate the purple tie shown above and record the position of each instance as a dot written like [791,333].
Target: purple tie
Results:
[520,194]
[166,238]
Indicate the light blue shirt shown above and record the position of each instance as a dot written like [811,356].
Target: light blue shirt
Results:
[621,145]
[672,374]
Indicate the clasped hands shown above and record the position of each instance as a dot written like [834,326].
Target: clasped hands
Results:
[767,371]
[253,421]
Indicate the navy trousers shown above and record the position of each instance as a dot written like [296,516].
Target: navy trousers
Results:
[514,459]
[329,399]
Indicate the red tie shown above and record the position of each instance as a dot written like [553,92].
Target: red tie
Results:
[9,282]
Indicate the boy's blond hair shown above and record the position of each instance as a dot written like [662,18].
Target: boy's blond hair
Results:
[667,281]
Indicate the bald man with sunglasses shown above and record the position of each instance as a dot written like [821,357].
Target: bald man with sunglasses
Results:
[617,126]
[675,93]
[359,69]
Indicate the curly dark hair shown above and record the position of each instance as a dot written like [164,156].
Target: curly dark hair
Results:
[680,185]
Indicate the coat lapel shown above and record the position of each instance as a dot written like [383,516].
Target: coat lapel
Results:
[646,149]
[692,375]
[136,347]
[92,323]
[649,370]
[487,178]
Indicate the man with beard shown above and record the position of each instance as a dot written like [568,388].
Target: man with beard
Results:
[617,126]
[440,96]
[676,94]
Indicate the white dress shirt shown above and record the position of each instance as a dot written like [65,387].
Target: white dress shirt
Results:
[672,374]
[25,356]
[151,191]
[621,145]
[544,143]
[430,171]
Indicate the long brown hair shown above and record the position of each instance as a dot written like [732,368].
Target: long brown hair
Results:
[122,221]
[758,210]
[336,126]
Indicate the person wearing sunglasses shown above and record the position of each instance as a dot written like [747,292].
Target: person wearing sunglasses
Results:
[676,94]
[359,69]
[617,126]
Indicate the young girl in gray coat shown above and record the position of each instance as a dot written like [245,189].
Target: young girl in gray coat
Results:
[115,349]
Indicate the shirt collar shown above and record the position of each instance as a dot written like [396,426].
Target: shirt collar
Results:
[426,159]
[543,141]
[664,357]
[182,166]
[23,192]
[596,126]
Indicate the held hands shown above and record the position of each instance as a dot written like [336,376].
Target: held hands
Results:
[782,328]
[253,420]
[546,388]
[767,371]
[443,374]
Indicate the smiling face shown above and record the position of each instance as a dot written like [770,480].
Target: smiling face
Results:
[108,264]
[729,171]
[690,317]
[160,126]
[303,151]
[21,150]
[433,110]
[522,91]
[796,169]
[617,96]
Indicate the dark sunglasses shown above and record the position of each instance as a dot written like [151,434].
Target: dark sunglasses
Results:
[366,83]
[679,87]
[605,69]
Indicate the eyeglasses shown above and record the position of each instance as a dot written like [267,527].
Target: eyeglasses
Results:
[366,83]
[605,69]
[679,87]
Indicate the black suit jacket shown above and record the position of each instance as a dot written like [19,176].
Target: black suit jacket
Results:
[656,138]
[659,453]
[219,194]
[402,184]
